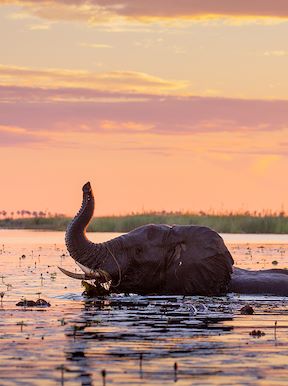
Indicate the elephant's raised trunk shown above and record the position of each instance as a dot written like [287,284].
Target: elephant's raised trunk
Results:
[79,247]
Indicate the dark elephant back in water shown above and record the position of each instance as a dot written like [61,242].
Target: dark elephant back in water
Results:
[204,266]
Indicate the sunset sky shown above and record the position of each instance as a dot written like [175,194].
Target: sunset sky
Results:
[160,104]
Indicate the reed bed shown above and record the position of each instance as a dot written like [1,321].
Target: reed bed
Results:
[233,223]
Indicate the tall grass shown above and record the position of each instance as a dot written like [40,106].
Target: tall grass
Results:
[233,223]
[49,223]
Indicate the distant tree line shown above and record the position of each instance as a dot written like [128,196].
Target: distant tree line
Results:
[28,214]
[44,214]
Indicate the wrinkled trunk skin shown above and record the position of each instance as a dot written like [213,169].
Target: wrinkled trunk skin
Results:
[78,246]
[92,255]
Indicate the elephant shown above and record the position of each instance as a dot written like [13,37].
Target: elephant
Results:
[163,260]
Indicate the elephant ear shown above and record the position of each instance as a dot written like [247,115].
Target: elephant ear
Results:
[205,264]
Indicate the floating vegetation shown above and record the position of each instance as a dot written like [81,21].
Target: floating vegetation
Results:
[1,297]
[247,310]
[103,373]
[257,333]
[21,324]
[62,321]
[31,303]
[175,371]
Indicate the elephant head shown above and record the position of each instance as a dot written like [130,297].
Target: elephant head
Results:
[151,259]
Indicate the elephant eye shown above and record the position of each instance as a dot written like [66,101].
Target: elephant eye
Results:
[138,250]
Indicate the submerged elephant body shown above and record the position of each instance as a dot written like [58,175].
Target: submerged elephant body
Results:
[175,260]
[160,259]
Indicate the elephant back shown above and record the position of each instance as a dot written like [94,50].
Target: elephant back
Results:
[205,264]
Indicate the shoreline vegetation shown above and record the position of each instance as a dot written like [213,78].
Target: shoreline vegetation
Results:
[223,223]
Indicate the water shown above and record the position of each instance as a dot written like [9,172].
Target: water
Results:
[137,340]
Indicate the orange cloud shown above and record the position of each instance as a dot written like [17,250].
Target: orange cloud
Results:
[11,136]
[129,81]
[80,110]
[125,126]
[95,11]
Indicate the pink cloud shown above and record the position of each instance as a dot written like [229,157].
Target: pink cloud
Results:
[40,110]
[103,10]
[65,94]
[172,8]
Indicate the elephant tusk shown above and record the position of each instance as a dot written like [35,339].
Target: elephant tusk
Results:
[89,272]
[79,276]
[89,275]
[99,274]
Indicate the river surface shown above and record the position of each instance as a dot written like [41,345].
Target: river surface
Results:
[132,339]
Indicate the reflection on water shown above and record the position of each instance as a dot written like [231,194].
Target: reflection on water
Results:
[19,236]
[133,339]
[255,239]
